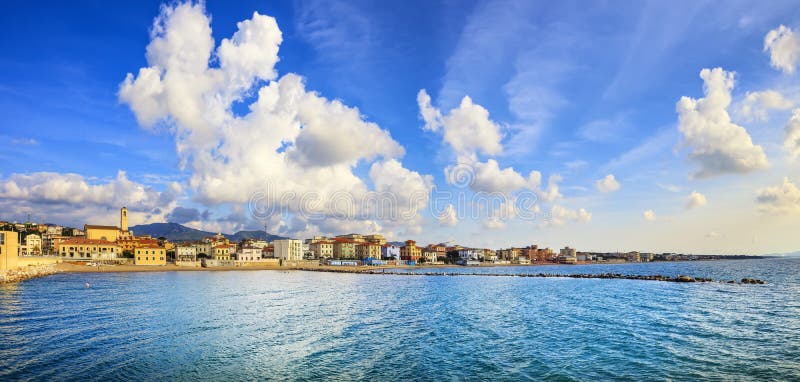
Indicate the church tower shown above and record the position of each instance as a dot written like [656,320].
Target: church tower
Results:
[123,219]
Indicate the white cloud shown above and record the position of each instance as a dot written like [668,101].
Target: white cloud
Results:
[756,105]
[73,199]
[649,215]
[551,193]
[559,215]
[669,187]
[494,222]
[467,129]
[431,115]
[695,199]
[784,48]
[791,141]
[490,178]
[607,184]
[291,141]
[781,199]
[448,217]
[717,145]
[408,190]
[74,189]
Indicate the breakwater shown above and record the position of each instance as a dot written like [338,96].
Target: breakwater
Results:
[616,276]
[25,273]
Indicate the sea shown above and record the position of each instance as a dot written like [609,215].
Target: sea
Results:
[298,325]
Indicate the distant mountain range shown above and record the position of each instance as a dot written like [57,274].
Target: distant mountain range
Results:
[178,232]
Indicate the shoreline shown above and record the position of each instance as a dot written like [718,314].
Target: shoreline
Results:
[74,267]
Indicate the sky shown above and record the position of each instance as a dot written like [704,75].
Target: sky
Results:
[605,126]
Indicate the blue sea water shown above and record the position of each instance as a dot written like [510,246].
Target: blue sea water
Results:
[293,325]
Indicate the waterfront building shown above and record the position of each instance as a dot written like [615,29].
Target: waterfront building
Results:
[410,251]
[248,253]
[489,255]
[288,249]
[150,255]
[430,256]
[81,247]
[9,250]
[390,251]
[185,252]
[470,254]
[368,250]
[567,255]
[344,248]
[222,251]
[323,249]
[633,257]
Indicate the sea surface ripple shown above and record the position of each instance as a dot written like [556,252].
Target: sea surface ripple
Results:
[293,325]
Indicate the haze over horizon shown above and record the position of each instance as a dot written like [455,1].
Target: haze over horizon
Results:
[664,127]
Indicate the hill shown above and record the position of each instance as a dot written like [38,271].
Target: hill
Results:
[178,232]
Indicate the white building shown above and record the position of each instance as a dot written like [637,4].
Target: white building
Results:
[288,249]
[33,245]
[390,251]
[430,256]
[248,253]
[185,253]
[470,254]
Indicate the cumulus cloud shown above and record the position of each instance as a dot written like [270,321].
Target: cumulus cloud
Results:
[791,140]
[717,145]
[559,215]
[467,128]
[74,199]
[756,105]
[649,215]
[780,199]
[607,184]
[783,46]
[490,178]
[291,141]
[449,217]
[695,199]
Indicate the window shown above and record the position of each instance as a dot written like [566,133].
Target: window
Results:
[139,258]
[2,238]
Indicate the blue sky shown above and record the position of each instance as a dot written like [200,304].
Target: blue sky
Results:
[576,90]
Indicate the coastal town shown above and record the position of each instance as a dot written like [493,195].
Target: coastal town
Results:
[34,244]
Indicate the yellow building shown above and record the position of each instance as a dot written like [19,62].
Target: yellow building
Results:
[101,232]
[110,232]
[79,247]
[9,250]
[222,252]
[150,255]
[322,249]
[376,238]
[410,251]
[366,250]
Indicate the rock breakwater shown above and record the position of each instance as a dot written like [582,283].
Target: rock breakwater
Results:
[676,279]
[26,273]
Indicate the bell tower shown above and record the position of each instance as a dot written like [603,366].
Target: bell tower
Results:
[123,219]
